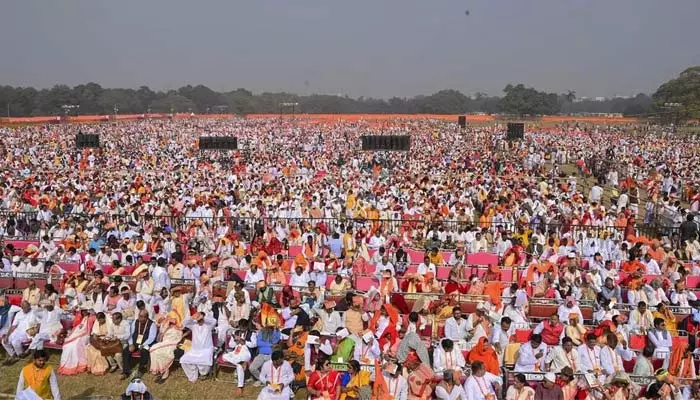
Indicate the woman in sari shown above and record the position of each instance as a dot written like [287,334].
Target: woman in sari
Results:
[163,352]
[96,363]
[344,349]
[665,313]
[485,353]
[356,381]
[520,390]
[324,383]
[74,352]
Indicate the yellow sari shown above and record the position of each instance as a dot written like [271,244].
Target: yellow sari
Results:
[356,382]
[671,322]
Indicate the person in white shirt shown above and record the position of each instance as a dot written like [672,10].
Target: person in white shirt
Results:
[613,354]
[568,308]
[126,306]
[681,296]
[198,360]
[641,320]
[563,356]
[17,333]
[384,265]
[479,244]
[589,356]
[329,320]
[254,275]
[376,241]
[426,266]
[448,389]
[49,325]
[367,349]
[395,382]
[596,194]
[500,337]
[238,356]
[448,357]
[456,326]
[531,356]
[34,266]
[655,293]
[276,374]
[299,280]
[662,340]
[651,264]
[160,276]
[482,385]
[118,329]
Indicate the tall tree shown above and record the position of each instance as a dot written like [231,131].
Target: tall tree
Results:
[680,95]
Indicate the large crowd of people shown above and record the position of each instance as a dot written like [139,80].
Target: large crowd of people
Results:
[470,267]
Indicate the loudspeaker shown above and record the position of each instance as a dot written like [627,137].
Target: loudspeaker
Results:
[386,143]
[218,143]
[462,121]
[516,130]
[87,141]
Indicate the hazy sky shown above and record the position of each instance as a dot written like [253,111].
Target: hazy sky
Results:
[378,48]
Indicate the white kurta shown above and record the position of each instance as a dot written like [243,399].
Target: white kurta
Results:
[478,388]
[283,375]
[457,393]
[558,358]
[526,358]
[202,350]
[398,387]
[448,360]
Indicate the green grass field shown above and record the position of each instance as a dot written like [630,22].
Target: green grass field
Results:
[86,386]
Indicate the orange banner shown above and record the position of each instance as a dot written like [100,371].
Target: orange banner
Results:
[481,118]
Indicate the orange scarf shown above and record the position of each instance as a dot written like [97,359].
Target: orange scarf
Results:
[487,356]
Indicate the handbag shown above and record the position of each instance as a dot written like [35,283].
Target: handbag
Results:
[107,347]
[638,342]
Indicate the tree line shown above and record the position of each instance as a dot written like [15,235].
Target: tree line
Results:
[680,95]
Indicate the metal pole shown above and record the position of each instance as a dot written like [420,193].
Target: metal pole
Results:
[8,110]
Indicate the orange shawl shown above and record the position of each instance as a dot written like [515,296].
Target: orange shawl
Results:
[541,268]
[393,317]
[488,356]
[677,357]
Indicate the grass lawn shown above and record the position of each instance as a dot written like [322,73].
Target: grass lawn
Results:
[88,386]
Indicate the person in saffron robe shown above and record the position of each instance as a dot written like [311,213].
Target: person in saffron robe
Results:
[682,364]
[419,379]
[485,353]
[383,324]
[39,378]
